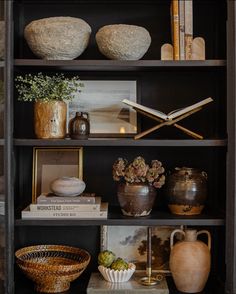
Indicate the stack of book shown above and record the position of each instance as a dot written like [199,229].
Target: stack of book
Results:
[182,29]
[55,207]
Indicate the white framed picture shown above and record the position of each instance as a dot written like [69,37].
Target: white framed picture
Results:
[102,100]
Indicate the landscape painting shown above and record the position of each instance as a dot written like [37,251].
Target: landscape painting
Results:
[102,100]
[130,242]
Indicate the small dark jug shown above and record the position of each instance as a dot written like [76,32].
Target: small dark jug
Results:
[79,126]
[186,191]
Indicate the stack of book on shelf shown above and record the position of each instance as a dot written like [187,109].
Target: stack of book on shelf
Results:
[182,29]
[48,206]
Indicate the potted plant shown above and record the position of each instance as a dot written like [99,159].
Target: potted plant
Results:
[48,94]
[138,183]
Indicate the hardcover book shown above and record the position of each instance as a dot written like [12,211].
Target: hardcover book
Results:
[171,115]
[70,214]
[181,30]
[175,23]
[188,11]
[68,207]
[48,198]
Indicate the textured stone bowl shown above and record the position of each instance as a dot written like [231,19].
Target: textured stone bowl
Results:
[123,42]
[67,186]
[58,38]
[115,276]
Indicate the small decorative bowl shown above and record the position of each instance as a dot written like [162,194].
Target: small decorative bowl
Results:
[52,267]
[67,186]
[115,276]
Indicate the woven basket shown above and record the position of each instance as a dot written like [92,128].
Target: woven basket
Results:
[52,267]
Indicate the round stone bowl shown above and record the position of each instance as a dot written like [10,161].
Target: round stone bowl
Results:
[58,38]
[123,42]
[67,186]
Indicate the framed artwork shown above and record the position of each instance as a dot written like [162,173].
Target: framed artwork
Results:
[51,163]
[103,102]
[129,242]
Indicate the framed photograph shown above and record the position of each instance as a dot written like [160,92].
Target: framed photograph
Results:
[129,242]
[102,100]
[51,163]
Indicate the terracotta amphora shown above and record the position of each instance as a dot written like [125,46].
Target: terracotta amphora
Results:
[190,261]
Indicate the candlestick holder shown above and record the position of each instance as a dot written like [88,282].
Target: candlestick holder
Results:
[149,280]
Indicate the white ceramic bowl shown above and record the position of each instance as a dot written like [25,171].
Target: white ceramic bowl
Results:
[115,276]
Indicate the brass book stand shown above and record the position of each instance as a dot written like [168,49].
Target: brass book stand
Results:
[169,123]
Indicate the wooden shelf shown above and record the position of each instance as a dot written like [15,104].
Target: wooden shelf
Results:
[115,217]
[121,142]
[117,65]
[214,286]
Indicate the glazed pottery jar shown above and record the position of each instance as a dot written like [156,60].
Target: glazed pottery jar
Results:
[79,126]
[50,119]
[190,261]
[136,199]
[186,191]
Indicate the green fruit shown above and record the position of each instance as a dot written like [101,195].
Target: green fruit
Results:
[106,258]
[119,264]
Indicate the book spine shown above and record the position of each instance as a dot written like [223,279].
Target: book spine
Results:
[61,200]
[181,30]
[175,16]
[63,215]
[27,214]
[65,207]
[188,11]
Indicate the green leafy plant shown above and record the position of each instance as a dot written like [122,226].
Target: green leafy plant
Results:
[139,172]
[46,88]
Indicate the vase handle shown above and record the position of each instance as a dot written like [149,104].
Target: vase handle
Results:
[208,235]
[172,237]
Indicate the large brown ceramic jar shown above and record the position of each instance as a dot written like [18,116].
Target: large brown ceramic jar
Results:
[190,261]
[186,191]
[136,199]
[50,119]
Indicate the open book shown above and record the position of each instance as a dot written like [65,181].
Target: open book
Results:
[171,115]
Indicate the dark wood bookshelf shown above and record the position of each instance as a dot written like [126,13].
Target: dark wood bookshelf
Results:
[118,65]
[121,142]
[164,85]
[115,218]
[214,286]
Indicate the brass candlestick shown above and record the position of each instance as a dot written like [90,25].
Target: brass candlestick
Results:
[149,280]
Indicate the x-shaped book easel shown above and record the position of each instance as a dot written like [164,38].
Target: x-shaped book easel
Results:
[169,122]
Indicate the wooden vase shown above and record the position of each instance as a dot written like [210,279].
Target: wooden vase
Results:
[190,261]
[136,199]
[50,119]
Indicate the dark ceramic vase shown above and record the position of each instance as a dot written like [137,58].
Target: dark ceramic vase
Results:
[186,191]
[79,126]
[136,199]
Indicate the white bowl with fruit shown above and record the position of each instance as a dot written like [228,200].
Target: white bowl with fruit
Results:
[114,270]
